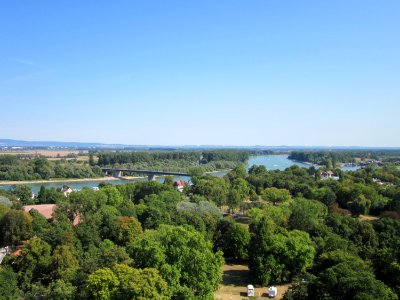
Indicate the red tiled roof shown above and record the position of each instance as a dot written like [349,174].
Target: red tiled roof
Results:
[180,183]
[46,210]
[17,252]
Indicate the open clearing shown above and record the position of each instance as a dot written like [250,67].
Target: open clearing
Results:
[235,279]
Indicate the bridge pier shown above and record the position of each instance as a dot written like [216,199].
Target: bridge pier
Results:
[117,174]
[151,177]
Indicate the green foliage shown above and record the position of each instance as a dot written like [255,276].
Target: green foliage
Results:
[211,188]
[127,229]
[238,191]
[35,262]
[276,195]
[230,155]
[183,257]
[307,215]
[16,225]
[51,195]
[114,197]
[278,214]
[343,282]
[5,201]
[124,282]
[359,206]
[276,255]
[64,263]
[60,289]
[14,168]
[23,193]
[350,256]
[8,284]
[232,239]
[140,284]
[102,284]
[184,161]
[237,172]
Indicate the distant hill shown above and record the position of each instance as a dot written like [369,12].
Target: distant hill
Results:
[79,145]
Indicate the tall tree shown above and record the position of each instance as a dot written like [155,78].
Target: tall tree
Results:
[184,258]
[276,195]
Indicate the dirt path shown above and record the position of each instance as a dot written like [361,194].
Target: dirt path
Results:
[235,279]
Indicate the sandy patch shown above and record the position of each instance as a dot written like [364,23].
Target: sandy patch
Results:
[235,279]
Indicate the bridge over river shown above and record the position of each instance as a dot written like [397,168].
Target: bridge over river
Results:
[151,175]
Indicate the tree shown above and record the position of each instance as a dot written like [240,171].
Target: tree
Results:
[212,188]
[114,197]
[276,195]
[238,191]
[8,284]
[127,229]
[124,282]
[91,159]
[15,226]
[111,254]
[307,215]
[343,282]
[42,194]
[237,172]
[169,180]
[103,284]
[276,255]
[387,266]
[23,193]
[43,167]
[359,206]
[60,289]
[35,261]
[184,258]
[232,239]
[140,284]
[196,171]
[64,263]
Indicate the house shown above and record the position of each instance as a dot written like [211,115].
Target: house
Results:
[66,190]
[46,210]
[179,185]
[327,174]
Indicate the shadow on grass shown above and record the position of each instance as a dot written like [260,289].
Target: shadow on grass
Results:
[236,277]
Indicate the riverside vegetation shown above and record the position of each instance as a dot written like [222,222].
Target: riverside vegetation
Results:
[145,240]
[20,168]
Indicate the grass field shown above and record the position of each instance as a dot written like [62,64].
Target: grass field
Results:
[235,279]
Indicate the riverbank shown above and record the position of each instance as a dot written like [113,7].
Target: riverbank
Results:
[77,180]
[70,180]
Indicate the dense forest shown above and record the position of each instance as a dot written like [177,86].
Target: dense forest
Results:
[178,161]
[13,167]
[330,239]
[333,159]
[23,167]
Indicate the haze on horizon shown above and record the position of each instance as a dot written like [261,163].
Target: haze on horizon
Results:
[201,73]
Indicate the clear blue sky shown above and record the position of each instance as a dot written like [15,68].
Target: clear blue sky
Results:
[201,72]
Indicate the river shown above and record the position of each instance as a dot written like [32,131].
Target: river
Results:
[271,162]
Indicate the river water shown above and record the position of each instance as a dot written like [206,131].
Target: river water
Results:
[271,162]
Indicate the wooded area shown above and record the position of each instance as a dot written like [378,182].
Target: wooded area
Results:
[329,239]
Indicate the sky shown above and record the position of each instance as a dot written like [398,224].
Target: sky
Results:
[311,73]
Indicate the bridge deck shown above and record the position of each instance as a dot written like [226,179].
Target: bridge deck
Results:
[147,172]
